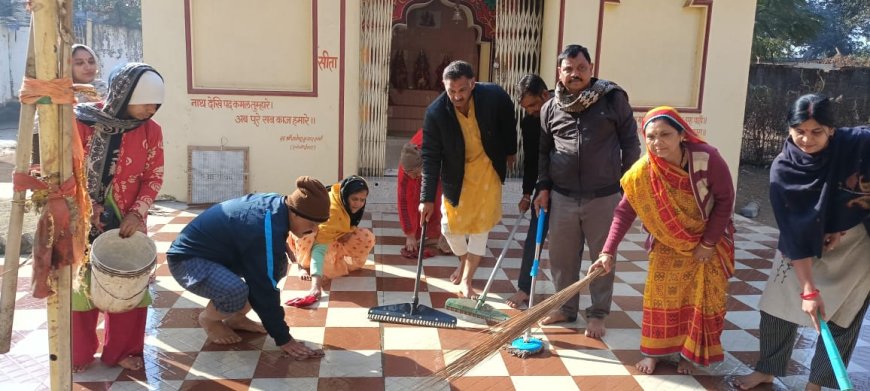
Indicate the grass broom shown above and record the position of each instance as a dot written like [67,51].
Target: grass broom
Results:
[503,333]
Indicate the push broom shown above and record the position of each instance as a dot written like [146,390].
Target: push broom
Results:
[527,345]
[505,332]
[478,307]
[413,313]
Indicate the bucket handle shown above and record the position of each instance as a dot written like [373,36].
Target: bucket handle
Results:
[94,278]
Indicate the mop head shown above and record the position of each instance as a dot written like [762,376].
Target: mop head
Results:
[405,313]
[522,348]
[476,309]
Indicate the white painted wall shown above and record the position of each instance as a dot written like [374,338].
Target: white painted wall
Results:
[113,45]
[13,51]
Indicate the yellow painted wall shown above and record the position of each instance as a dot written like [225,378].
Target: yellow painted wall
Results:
[550,41]
[664,51]
[278,152]
[274,164]
[639,37]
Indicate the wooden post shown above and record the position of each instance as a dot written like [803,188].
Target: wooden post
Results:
[56,166]
[16,218]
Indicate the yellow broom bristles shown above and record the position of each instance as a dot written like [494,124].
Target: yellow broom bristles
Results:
[505,332]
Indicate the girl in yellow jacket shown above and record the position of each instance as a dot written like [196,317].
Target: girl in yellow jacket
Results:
[339,246]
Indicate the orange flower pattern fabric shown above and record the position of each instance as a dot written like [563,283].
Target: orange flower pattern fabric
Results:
[684,300]
[342,257]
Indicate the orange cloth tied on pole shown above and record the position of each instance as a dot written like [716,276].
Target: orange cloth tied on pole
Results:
[59,91]
[62,231]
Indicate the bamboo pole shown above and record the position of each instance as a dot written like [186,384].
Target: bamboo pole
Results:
[16,218]
[56,167]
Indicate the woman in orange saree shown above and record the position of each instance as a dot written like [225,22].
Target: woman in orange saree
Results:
[683,193]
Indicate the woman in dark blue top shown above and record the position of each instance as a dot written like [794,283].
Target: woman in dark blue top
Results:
[820,194]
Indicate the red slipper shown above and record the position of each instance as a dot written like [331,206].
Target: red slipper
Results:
[408,254]
[427,253]
[302,302]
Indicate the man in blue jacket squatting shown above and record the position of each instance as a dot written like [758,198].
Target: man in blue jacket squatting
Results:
[234,253]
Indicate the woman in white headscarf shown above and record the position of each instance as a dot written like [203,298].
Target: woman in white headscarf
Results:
[124,165]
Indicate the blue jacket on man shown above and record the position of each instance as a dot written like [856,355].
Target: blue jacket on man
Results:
[234,234]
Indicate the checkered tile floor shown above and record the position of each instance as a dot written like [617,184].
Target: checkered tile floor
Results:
[364,355]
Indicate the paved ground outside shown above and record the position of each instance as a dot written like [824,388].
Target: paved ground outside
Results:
[365,355]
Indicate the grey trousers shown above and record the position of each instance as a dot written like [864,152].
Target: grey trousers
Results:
[575,223]
[777,342]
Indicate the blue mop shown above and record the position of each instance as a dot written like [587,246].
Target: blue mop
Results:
[834,355]
[527,345]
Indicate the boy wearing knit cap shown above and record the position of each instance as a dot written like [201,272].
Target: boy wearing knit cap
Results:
[245,238]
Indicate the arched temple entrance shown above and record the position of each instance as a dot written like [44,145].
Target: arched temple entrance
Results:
[403,58]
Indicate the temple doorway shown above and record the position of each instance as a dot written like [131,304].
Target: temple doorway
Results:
[404,47]
[425,37]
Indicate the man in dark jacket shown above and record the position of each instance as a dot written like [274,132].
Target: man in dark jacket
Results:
[589,140]
[469,139]
[246,238]
[533,95]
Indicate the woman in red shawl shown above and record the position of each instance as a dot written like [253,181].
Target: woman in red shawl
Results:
[683,193]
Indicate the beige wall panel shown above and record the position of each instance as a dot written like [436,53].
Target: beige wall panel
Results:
[550,41]
[227,33]
[351,89]
[659,60]
[727,76]
[279,151]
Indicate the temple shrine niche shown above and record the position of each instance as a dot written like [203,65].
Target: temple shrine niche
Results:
[426,36]
[399,71]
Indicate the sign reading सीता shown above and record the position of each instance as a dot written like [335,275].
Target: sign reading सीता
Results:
[256,116]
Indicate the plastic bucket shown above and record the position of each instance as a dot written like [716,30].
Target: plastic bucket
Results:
[120,269]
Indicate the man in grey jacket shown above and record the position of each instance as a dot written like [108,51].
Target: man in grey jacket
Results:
[588,140]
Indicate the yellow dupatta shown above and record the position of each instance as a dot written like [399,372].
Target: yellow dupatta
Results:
[339,221]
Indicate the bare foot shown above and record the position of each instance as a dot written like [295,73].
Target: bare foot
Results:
[217,331]
[684,367]
[304,275]
[647,365]
[751,380]
[468,292]
[456,277]
[517,299]
[80,368]
[241,322]
[555,317]
[595,328]
[133,363]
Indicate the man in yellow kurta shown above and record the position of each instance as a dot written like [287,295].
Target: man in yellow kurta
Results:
[469,139]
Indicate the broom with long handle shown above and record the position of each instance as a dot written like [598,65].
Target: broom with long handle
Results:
[413,313]
[478,307]
[834,355]
[526,345]
[506,331]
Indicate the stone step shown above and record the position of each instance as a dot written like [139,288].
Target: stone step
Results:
[412,112]
[421,98]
